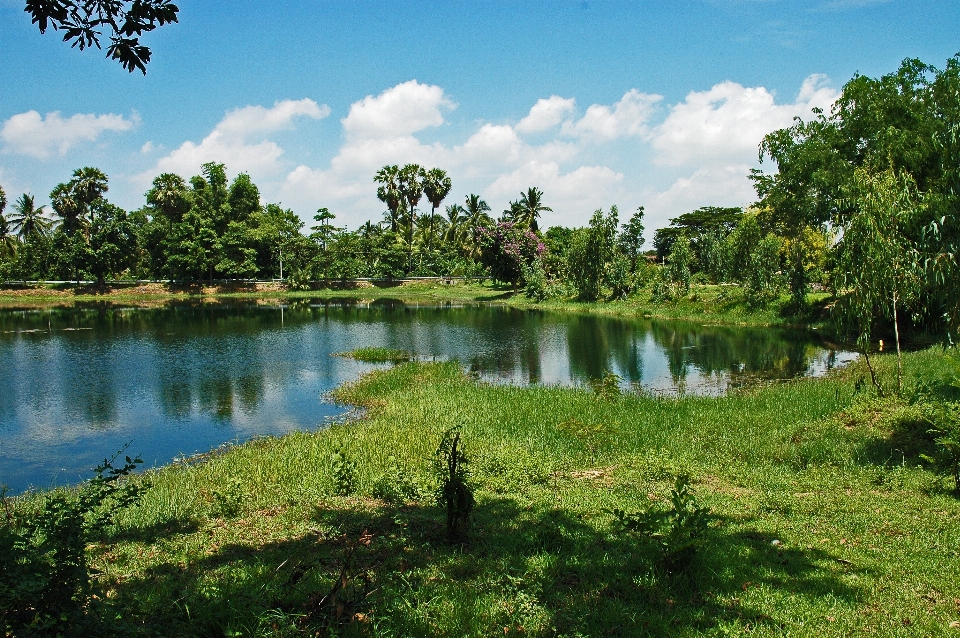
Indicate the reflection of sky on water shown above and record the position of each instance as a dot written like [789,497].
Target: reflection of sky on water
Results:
[76,384]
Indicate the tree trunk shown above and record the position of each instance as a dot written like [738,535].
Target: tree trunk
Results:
[873,374]
[896,334]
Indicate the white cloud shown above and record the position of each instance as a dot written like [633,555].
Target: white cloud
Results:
[230,141]
[573,195]
[727,123]
[627,118]
[707,186]
[30,134]
[397,112]
[546,114]
[147,147]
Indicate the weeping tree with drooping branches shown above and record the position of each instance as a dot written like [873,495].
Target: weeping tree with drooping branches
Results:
[880,267]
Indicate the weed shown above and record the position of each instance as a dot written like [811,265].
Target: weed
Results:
[678,532]
[228,500]
[377,355]
[395,485]
[353,585]
[607,388]
[454,493]
[343,471]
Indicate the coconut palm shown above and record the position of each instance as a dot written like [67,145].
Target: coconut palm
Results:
[88,184]
[389,193]
[531,205]
[28,220]
[476,217]
[456,222]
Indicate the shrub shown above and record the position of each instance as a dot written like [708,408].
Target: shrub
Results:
[678,532]
[44,576]
[343,471]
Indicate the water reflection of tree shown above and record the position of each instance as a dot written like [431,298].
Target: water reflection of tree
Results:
[740,354]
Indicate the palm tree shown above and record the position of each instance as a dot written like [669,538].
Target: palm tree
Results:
[531,205]
[476,217]
[89,184]
[410,185]
[169,196]
[436,186]
[64,201]
[456,219]
[28,220]
[388,192]
[8,244]
[513,214]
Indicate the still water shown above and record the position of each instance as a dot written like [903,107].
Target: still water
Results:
[77,384]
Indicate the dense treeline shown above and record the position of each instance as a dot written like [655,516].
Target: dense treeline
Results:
[863,202]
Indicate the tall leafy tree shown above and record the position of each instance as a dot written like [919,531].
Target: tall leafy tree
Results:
[410,185]
[589,252]
[880,266]
[28,219]
[111,247]
[83,23]
[630,240]
[477,218]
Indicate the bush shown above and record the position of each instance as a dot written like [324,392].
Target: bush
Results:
[678,532]
[343,471]
[44,575]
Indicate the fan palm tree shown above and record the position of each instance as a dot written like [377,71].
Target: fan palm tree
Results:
[169,196]
[389,193]
[411,189]
[67,208]
[436,186]
[531,205]
[28,220]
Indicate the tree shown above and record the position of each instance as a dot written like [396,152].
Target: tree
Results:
[880,266]
[477,218]
[389,193]
[506,248]
[436,186]
[457,219]
[83,22]
[410,185]
[8,244]
[591,249]
[630,240]
[530,207]
[169,197]
[677,269]
[111,248]
[28,219]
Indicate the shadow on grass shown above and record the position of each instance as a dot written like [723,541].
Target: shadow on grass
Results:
[545,571]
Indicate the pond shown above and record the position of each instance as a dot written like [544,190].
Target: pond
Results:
[78,383]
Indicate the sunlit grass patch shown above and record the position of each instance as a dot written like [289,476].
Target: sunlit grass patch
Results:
[377,355]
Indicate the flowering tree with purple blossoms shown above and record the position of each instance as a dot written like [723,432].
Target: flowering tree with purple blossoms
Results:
[505,247]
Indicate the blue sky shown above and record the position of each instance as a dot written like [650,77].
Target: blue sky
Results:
[659,104]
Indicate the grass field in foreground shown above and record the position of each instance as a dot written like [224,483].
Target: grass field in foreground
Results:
[824,522]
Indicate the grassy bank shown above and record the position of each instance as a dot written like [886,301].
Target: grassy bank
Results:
[710,303]
[824,522]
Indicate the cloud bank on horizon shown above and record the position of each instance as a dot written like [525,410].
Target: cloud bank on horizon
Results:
[636,151]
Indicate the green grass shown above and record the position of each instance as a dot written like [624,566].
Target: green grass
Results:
[377,355]
[868,536]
